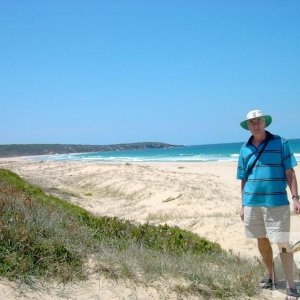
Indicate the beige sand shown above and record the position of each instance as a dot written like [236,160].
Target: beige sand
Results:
[201,197]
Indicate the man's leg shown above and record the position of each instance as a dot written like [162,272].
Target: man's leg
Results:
[286,256]
[265,249]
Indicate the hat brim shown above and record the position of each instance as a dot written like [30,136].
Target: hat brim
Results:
[268,120]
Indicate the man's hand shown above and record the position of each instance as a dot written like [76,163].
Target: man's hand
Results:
[296,206]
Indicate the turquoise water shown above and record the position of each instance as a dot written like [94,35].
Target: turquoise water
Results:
[201,153]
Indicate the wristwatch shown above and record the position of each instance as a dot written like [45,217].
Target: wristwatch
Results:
[296,197]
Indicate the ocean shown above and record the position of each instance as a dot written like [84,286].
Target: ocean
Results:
[201,153]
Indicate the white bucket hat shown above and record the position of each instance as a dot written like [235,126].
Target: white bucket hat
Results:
[253,114]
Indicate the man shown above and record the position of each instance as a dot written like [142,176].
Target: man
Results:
[265,206]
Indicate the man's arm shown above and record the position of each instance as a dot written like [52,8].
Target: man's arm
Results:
[243,182]
[242,208]
[293,185]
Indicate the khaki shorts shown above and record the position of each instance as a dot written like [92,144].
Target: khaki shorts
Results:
[270,222]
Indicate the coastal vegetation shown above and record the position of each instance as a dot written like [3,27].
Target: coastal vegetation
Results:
[47,149]
[45,238]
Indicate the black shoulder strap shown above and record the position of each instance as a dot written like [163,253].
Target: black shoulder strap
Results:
[257,157]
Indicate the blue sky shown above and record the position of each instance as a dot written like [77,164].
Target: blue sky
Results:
[181,72]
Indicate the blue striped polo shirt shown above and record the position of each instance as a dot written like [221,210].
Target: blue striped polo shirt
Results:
[266,184]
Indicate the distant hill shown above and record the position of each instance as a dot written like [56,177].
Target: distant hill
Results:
[46,149]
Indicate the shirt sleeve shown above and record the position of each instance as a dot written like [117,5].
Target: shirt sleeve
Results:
[289,160]
[240,168]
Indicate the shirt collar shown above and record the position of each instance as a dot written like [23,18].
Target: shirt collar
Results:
[269,136]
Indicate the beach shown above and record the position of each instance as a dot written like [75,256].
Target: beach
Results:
[200,197]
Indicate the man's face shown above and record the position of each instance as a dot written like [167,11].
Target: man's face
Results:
[257,125]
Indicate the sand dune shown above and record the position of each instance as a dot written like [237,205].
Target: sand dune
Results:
[201,197]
